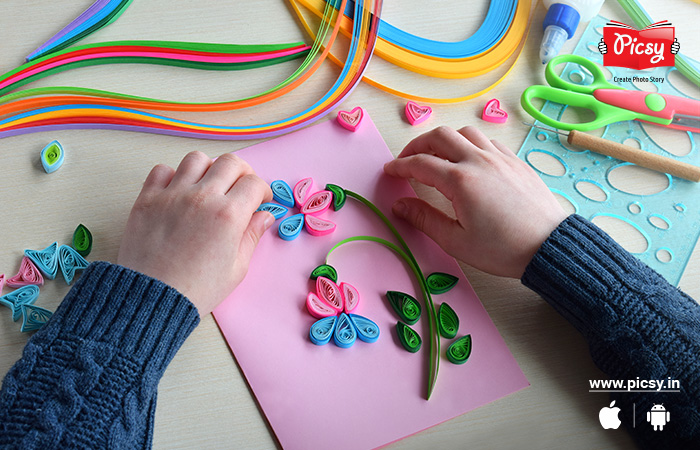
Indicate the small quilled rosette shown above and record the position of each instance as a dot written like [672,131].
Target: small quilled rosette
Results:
[333,306]
[310,205]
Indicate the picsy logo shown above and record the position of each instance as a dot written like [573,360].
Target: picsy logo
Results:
[652,46]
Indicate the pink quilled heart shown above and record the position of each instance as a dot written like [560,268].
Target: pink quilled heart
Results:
[416,113]
[493,112]
[350,120]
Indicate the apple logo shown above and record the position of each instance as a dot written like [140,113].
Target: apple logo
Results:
[608,417]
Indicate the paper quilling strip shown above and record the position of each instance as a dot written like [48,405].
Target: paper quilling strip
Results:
[92,111]
[100,14]
[45,260]
[25,295]
[34,317]
[28,275]
[70,261]
[52,156]
[82,240]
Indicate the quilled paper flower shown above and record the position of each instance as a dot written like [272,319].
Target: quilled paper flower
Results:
[310,206]
[333,306]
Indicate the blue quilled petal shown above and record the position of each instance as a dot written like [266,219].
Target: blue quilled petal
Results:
[282,193]
[276,210]
[322,330]
[45,260]
[34,317]
[367,330]
[344,335]
[290,227]
[25,295]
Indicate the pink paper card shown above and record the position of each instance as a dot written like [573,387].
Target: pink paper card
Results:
[369,395]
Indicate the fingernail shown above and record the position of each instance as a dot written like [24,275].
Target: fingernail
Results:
[399,209]
[269,220]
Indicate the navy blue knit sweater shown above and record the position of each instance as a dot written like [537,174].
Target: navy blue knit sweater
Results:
[88,378]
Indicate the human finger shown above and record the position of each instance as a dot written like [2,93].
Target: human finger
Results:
[503,148]
[434,223]
[259,223]
[191,169]
[476,137]
[249,192]
[443,142]
[224,172]
[427,169]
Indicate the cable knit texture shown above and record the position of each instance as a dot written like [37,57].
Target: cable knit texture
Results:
[636,324]
[88,378]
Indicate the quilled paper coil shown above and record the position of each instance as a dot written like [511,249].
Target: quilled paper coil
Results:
[25,295]
[28,274]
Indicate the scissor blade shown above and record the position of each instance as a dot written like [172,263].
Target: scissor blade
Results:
[687,123]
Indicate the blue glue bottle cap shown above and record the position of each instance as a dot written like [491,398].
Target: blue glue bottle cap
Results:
[559,25]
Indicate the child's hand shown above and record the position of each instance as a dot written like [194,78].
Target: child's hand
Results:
[196,228]
[504,211]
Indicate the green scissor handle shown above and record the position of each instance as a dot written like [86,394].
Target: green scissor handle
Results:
[573,94]
[604,113]
[599,81]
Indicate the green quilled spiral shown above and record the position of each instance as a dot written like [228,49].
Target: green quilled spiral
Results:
[458,352]
[439,282]
[339,196]
[448,321]
[407,307]
[325,270]
[82,240]
[410,340]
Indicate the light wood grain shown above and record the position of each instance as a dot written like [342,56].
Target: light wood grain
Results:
[204,401]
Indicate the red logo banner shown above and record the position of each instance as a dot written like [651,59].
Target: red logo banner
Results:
[639,49]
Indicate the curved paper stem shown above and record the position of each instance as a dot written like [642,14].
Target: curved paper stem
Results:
[411,260]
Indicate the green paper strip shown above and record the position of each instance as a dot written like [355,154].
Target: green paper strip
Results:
[439,282]
[448,321]
[459,351]
[339,196]
[325,270]
[82,240]
[410,340]
[407,307]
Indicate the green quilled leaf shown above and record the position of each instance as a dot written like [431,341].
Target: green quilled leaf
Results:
[458,352]
[439,282]
[408,337]
[325,270]
[339,196]
[407,307]
[82,240]
[448,321]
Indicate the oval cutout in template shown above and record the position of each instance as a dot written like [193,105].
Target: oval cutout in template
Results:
[546,162]
[624,232]
[664,255]
[659,221]
[635,207]
[592,190]
[566,202]
[668,139]
[635,180]
[682,84]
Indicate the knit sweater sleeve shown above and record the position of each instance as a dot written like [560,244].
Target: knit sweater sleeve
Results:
[88,378]
[637,326]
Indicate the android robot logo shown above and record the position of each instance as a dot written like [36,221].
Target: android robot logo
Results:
[658,416]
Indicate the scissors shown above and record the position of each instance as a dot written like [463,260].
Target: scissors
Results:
[609,103]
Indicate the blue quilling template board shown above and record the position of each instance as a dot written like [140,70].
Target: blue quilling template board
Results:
[668,216]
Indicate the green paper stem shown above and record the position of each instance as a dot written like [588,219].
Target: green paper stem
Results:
[405,251]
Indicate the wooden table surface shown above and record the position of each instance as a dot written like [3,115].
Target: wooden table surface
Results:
[203,399]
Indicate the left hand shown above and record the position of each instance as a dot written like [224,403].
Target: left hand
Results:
[195,228]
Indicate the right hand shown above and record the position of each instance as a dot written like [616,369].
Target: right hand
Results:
[504,210]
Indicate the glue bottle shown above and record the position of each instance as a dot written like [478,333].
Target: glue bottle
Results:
[563,16]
